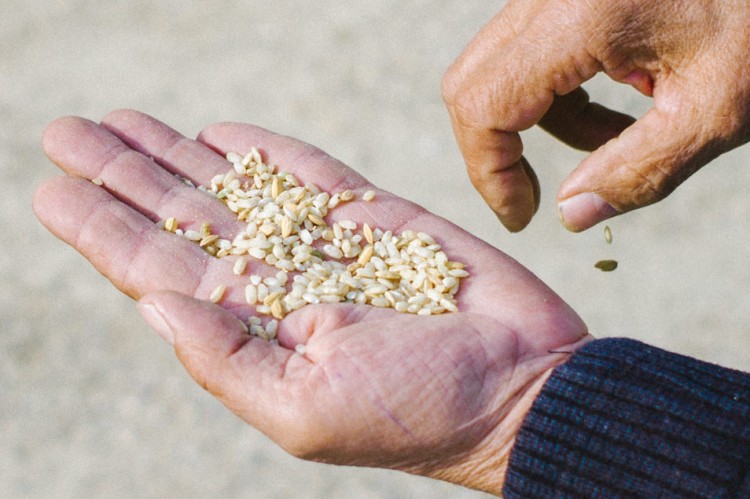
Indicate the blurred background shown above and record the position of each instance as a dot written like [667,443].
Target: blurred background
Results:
[93,404]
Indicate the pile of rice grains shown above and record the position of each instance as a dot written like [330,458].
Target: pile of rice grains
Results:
[316,262]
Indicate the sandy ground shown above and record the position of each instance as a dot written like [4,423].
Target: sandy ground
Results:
[93,404]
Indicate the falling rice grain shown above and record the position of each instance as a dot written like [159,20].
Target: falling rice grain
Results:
[606,265]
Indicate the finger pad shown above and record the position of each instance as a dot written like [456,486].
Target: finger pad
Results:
[62,202]
[79,146]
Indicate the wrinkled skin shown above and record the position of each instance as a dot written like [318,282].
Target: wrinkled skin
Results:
[526,67]
[440,396]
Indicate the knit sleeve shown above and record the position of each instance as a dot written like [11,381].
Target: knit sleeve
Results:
[623,419]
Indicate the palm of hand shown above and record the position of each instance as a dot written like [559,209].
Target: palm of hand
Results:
[375,387]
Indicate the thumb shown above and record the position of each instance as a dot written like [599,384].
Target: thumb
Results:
[640,167]
[214,346]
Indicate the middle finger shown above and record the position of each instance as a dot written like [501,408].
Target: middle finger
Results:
[132,176]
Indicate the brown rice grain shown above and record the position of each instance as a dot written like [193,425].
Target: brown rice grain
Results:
[347,195]
[170,224]
[277,309]
[367,231]
[606,265]
[316,219]
[207,240]
[286,227]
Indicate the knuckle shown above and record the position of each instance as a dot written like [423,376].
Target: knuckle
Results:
[645,186]
[471,109]
[654,185]
[468,100]
[450,84]
[451,81]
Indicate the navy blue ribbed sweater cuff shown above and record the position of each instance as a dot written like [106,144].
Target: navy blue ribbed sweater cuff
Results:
[621,418]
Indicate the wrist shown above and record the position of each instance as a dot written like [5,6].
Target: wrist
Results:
[484,466]
[487,467]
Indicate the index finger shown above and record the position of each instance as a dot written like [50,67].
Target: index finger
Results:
[504,83]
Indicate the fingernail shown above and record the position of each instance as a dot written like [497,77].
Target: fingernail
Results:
[584,210]
[156,320]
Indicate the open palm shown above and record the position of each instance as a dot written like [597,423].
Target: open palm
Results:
[436,395]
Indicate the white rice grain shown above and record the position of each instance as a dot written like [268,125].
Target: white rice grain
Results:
[218,293]
[239,266]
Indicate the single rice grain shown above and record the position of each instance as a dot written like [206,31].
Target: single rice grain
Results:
[606,265]
[170,224]
[239,266]
[218,293]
